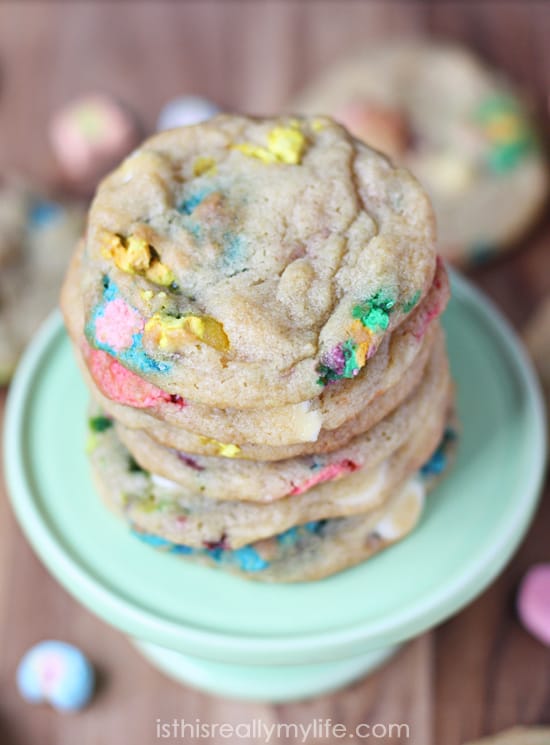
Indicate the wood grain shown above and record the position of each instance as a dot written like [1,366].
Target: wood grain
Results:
[475,674]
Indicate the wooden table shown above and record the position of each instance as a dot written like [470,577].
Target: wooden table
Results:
[477,673]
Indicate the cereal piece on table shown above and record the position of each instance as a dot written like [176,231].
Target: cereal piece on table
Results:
[56,673]
[90,134]
[534,602]
[186,110]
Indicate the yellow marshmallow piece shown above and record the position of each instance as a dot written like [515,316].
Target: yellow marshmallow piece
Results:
[256,151]
[284,145]
[226,450]
[160,274]
[171,333]
[131,255]
[204,166]
[287,144]
[134,255]
[362,336]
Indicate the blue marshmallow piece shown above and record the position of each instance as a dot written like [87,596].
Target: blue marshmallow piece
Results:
[184,111]
[56,673]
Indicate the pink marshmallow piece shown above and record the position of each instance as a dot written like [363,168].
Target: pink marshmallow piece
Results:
[118,324]
[434,303]
[91,133]
[328,473]
[533,602]
[122,385]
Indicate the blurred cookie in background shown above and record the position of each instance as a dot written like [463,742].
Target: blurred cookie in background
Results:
[537,339]
[13,217]
[37,237]
[89,135]
[460,128]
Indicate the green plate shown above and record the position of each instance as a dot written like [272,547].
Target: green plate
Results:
[471,526]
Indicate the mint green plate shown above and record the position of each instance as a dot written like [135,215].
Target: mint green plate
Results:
[473,522]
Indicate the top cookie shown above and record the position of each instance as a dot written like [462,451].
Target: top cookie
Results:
[245,262]
[457,125]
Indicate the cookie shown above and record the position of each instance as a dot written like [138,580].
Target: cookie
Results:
[267,481]
[37,237]
[320,548]
[342,411]
[14,207]
[460,128]
[255,261]
[162,508]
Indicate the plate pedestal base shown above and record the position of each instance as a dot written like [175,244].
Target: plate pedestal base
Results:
[273,683]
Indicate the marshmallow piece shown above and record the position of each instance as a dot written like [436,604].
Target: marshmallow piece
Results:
[56,673]
[90,135]
[186,110]
[533,602]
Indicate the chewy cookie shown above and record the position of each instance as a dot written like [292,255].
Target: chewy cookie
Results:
[338,414]
[460,128]
[320,548]
[160,506]
[253,260]
[266,481]
[168,516]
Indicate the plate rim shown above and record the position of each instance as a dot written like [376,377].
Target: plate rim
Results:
[137,620]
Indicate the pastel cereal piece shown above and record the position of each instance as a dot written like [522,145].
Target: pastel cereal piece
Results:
[185,111]
[134,255]
[533,602]
[382,127]
[328,473]
[122,385]
[56,673]
[118,324]
[224,449]
[90,134]
[171,333]
[284,145]
[372,318]
[435,303]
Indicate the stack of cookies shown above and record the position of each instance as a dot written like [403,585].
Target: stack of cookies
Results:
[255,312]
